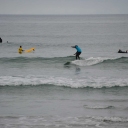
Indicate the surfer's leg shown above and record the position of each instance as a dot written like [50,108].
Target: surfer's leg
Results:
[76,56]
[79,54]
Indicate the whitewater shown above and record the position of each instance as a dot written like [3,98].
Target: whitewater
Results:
[48,88]
[81,82]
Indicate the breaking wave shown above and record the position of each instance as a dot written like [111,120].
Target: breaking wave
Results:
[98,60]
[57,121]
[69,60]
[99,107]
[34,80]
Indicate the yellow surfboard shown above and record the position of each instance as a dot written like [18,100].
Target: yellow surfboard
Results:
[29,50]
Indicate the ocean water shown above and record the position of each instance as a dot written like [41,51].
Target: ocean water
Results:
[48,88]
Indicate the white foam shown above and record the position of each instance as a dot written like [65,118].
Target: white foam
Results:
[91,61]
[59,121]
[111,119]
[98,82]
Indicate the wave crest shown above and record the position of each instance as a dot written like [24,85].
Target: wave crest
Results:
[99,107]
[62,81]
[97,60]
[69,60]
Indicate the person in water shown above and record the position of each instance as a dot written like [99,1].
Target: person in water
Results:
[120,51]
[0,40]
[20,50]
[78,51]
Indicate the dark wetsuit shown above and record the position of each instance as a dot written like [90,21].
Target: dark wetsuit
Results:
[0,40]
[78,52]
[120,51]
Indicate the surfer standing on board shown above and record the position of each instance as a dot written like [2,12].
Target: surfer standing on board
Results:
[78,51]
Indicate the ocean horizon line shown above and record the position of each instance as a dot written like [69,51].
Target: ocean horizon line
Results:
[58,14]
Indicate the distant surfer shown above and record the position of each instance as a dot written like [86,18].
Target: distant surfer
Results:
[0,40]
[20,50]
[78,51]
[120,51]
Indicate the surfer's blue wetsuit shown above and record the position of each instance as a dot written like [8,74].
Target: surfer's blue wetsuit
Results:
[78,51]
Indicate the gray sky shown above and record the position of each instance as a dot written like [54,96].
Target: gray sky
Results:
[63,6]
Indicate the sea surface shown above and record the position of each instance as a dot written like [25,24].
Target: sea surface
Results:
[48,88]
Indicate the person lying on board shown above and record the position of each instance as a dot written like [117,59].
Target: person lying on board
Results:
[120,51]
[78,51]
